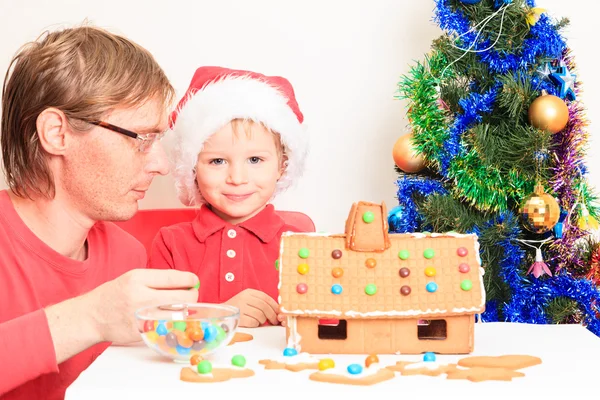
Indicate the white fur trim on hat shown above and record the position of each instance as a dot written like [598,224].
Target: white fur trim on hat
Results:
[208,110]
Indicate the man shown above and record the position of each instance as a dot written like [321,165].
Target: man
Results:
[82,114]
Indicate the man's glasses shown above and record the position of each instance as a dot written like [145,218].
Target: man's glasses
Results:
[145,140]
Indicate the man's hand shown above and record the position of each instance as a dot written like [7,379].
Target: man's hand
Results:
[114,303]
[255,307]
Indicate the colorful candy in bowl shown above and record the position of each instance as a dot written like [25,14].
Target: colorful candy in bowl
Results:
[180,331]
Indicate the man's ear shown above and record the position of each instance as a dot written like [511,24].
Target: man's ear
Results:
[52,126]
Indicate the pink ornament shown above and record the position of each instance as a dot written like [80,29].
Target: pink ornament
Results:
[539,267]
[462,252]
[464,268]
[302,288]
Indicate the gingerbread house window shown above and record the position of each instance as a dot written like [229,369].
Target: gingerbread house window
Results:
[434,329]
[333,329]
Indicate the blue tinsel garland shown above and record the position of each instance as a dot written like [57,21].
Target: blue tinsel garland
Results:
[410,220]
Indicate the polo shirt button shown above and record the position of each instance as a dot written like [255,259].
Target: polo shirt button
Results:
[230,253]
[229,277]
[231,233]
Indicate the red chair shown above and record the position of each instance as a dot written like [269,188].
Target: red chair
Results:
[146,223]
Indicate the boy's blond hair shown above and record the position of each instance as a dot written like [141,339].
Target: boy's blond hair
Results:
[84,72]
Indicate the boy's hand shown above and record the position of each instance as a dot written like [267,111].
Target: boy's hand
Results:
[281,318]
[256,308]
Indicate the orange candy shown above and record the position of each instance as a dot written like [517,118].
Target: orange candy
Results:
[195,333]
[337,272]
[371,263]
[185,342]
[372,359]
[162,343]
[195,359]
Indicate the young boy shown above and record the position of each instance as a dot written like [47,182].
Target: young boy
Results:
[240,141]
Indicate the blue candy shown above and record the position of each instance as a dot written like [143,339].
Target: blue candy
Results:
[289,352]
[183,350]
[210,333]
[355,369]
[161,329]
[429,357]
[336,289]
[431,287]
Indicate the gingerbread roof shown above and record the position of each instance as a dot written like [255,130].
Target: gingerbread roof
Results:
[368,273]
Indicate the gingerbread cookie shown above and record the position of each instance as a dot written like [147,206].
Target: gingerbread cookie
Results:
[480,374]
[240,337]
[202,371]
[353,374]
[292,361]
[422,368]
[512,362]
[366,378]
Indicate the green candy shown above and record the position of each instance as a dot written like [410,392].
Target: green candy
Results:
[204,367]
[466,285]
[277,265]
[303,253]
[238,360]
[404,254]
[221,334]
[180,325]
[370,289]
[368,217]
[196,286]
[428,253]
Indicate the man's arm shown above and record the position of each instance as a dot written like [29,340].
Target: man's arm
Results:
[35,343]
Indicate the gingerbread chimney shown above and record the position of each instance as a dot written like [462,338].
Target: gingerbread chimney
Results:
[367,228]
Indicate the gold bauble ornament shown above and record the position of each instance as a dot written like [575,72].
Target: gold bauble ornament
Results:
[405,155]
[540,211]
[549,113]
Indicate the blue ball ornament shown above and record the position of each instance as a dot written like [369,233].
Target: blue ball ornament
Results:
[470,1]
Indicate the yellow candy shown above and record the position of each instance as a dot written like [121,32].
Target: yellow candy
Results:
[152,336]
[303,269]
[326,363]
[430,271]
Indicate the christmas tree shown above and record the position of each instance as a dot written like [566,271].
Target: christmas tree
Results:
[496,147]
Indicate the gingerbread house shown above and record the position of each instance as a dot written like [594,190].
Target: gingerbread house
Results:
[369,291]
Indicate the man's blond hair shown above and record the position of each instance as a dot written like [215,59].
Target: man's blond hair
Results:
[84,72]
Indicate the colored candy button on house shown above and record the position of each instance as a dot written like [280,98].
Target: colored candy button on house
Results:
[415,289]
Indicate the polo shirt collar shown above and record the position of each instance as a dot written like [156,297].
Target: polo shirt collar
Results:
[265,225]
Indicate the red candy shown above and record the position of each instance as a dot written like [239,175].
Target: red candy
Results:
[464,268]
[302,288]
[462,251]
[148,326]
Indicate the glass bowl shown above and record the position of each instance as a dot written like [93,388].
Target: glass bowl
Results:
[179,331]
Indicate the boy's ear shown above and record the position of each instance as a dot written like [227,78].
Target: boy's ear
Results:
[52,126]
[284,164]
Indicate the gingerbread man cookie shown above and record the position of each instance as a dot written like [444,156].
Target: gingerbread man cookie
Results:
[240,337]
[292,361]
[202,371]
[513,362]
[353,374]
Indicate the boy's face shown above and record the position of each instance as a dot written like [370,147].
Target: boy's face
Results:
[237,171]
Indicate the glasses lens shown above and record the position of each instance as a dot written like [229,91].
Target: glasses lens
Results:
[147,142]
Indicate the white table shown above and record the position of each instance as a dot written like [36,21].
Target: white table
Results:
[570,367]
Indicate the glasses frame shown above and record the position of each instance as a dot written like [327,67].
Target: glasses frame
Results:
[146,140]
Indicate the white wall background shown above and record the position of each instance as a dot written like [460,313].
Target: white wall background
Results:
[344,58]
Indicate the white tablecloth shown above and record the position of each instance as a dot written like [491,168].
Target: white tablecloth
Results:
[570,367]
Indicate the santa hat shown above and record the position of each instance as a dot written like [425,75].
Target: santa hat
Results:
[219,95]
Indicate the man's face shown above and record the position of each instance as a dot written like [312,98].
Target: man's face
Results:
[103,174]
[237,172]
